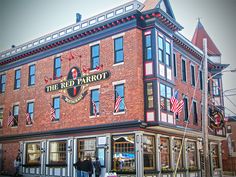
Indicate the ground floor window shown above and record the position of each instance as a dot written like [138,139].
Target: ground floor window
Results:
[33,154]
[165,153]
[149,152]
[178,155]
[215,156]
[123,153]
[192,155]
[57,153]
[87,148]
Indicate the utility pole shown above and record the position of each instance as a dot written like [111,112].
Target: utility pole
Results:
[205,113]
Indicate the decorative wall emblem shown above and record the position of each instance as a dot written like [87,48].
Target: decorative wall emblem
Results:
[216,120]
[76,84]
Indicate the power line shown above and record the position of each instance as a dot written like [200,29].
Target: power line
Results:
[230,101]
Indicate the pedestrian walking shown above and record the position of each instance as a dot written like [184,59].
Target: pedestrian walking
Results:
[97,166]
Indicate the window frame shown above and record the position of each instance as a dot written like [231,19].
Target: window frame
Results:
[31,113]
[122,97]
[184,70]
[55,68]
[195,112]
[63,163]
[26,155]
[97,102]
[169,63]
[148,47]
[3,83]
[192,151]
[201,79]
[186,111]
[79,150]
[193,75]
[16,116]
[175,65]
[149,95]
[93,57]
[216,86]
[153,154]
[176,153]
[166,153]
[118,50]
[31,81]
[17,83]
[167,103]
[58,108]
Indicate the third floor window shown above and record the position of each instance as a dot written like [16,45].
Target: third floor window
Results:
[31,75]
[17,79]
[184,75]
[119,51]
[57,68]
[95,56]
[2,83]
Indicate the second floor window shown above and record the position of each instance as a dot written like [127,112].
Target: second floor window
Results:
[195,116]
[119,51]
[30,109]
[57,68]
[192,75]
[1,117]
[2,83]
[31,75]
[17,79]
[94,102]
[56,106]
[184,75]
[16,114]
[95,53]
[185,109]
[119,95]
[165,96]
[148,47]
[150,98]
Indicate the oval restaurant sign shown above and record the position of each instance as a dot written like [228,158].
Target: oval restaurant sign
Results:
[76,84]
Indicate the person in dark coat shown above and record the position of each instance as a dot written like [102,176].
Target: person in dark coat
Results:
[78,167]
[86,167]
[97,166]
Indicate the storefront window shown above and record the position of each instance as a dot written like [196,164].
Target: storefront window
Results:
[165,153]
[192,155]
[33,154]
[57,153]
[87,148]
[149,152]
[123,153]
[215,156]
[177,148]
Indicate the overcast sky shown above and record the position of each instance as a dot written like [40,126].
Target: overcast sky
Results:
[24,20]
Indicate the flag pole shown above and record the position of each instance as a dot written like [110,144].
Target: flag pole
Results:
[205,113]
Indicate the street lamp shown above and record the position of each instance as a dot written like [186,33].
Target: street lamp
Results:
[229,70]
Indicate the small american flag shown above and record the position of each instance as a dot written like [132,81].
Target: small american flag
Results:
[174,101]
[28,118]
[94,108]
[52,113]
[162,104]
[117,104]
[10,119]
[180,106]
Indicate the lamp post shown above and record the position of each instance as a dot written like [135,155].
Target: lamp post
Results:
[229,70]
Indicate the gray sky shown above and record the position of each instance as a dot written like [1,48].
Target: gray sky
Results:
[24,20]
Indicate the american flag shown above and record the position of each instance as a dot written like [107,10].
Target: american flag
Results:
[176,106]
[28,118]
[52,113]
[10,119]
[162,104]
[94,108]
[117,104]
[174,101]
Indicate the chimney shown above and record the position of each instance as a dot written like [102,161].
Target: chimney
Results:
[78,17]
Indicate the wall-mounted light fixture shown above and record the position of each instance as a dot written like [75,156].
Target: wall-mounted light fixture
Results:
[161,147]
[42,150]
[175,148]
[69,148]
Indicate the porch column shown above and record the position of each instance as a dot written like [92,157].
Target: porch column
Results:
[108,161]
[43,149]
[158,153]
[139,154]
[70,150]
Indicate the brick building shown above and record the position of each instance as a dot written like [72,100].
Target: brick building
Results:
[229,148]
[109,80]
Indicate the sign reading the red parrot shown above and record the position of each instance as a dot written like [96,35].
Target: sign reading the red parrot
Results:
[76,84]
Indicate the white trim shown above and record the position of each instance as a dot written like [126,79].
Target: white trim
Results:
[118,82]
[17,68]
[95,87]
[94,43]
[32,100]
[118,113]
[57,139]
[15,104]
[32,63]
[117,64]
[2,106]
[118,35]
[4,72]
[58,55]
[56,95]
[93,117]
